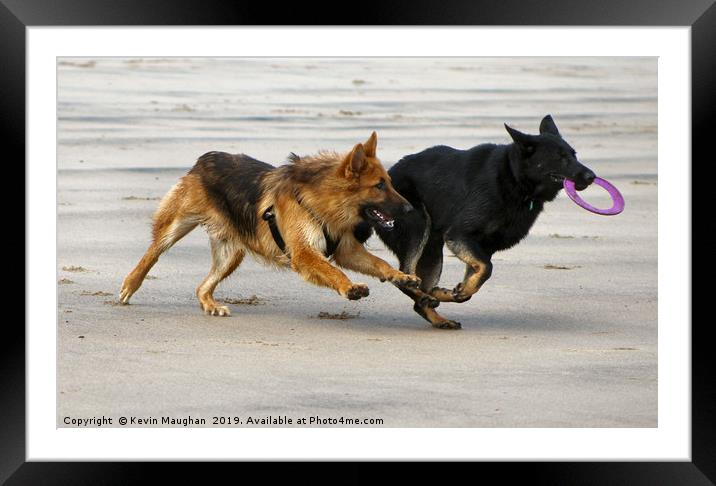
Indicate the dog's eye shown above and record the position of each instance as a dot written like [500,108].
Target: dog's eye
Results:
[380,185]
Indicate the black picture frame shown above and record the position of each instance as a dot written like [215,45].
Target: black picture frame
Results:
[17,15]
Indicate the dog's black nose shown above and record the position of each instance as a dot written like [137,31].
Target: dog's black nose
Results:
[407,207]
[588,176]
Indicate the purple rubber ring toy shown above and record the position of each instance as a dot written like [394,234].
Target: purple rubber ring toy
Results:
[617,199]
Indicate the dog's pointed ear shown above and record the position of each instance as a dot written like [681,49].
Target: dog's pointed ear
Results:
[355,162]
[548,126]
[522,140]
[371,145]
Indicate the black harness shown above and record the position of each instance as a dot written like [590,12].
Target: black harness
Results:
[270,217]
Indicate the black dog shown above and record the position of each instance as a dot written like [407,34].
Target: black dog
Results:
[477,202]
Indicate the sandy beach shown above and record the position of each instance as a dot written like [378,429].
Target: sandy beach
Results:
[563,335]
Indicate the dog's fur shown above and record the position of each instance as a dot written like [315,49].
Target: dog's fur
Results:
[323,206]
[477,202]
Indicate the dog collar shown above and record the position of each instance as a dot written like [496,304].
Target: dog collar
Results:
[530,203]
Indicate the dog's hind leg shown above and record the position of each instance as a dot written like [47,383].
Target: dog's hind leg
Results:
[226,255]
[430,263]
[170,225]
[427,263]
[415,234]
[408,242]
[437,321]
[429,268]
[425,307]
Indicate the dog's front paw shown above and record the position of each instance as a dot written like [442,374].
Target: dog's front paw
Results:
[442,294]
[458,295]
[405,280]
[356,291]
[124,295]
[128,289]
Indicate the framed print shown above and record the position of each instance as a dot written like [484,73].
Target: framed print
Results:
[424,157]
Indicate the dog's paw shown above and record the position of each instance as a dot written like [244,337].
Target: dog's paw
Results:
[442,294]
[405,280]
[124,295]
[458,295]
[447,324]
[428,301]
[356,291]
[216,310]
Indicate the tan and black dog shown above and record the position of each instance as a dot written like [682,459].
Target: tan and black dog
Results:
[300,215]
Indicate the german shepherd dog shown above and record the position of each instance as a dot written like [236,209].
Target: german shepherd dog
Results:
[477,202]
[297,215]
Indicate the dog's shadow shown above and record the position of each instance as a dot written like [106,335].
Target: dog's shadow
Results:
[373,320]
[522,321]
[503,321]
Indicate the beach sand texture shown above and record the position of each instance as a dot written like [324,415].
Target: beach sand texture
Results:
[563,335]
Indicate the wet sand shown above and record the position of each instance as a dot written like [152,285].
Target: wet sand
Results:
[563,335]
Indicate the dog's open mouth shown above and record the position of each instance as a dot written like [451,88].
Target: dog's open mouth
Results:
[580,186]
[559,179]
[382,219]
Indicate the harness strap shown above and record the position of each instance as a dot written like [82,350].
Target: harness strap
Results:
[270,217]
